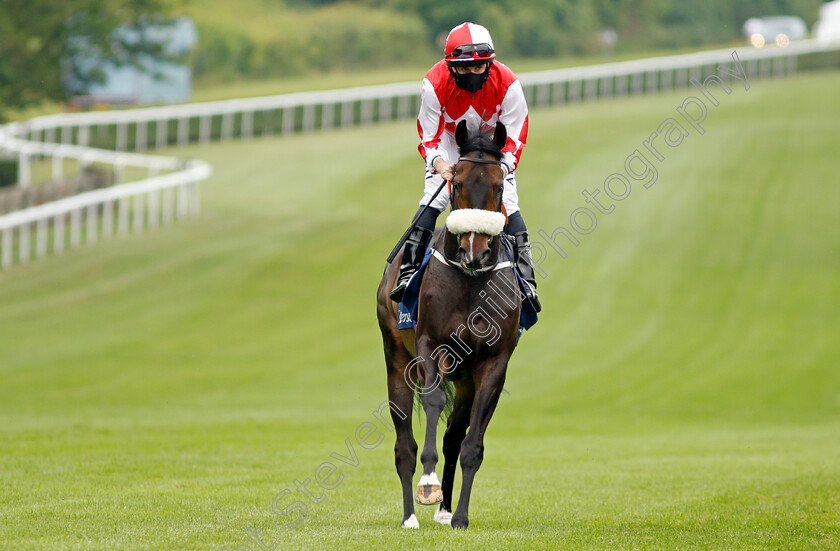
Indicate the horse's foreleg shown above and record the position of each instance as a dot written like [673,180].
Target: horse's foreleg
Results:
[434,400]
[401,395]
[459,421]
[472,449]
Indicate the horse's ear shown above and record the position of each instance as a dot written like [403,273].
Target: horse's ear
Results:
[500,135]
[461,133]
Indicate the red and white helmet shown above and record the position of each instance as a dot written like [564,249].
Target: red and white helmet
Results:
[469,44]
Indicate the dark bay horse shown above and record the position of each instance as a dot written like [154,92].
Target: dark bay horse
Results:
[466,331]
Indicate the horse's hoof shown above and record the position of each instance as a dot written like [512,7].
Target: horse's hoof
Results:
[428,494]
[411,522]
[460,523]
[442,516]
[428,490]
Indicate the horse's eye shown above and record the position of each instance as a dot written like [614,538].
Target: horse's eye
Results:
[499,190]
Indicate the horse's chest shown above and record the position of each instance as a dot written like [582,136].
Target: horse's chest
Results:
[474,328]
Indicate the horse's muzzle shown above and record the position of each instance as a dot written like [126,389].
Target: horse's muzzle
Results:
[474,264]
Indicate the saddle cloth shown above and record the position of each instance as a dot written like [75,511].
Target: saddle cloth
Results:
[408,307]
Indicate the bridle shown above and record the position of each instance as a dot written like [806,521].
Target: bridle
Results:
[479,161]
[476,161]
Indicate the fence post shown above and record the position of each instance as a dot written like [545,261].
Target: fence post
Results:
[137,226]
[247,129]
[107,219]
[347,114]
[403,106]
[58,233]
[227,126]
[167,205]
[161,133]
[124,209]
[558,92]
[122,136]
[76,228]
[23,243]
[140,136]
[24,169]
[92,224]
[41,238]
[204,129]
[288,119]
[327,115]
[7,247]
[183,131]
[308,117]
[84,135]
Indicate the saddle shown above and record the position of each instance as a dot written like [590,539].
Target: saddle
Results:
[407,315]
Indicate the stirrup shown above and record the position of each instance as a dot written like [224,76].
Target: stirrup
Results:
[399,289]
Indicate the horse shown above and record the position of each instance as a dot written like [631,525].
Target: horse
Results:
[467,328]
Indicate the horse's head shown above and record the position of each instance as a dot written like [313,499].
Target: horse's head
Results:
[476,197]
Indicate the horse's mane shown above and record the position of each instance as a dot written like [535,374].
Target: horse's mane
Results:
[483,143]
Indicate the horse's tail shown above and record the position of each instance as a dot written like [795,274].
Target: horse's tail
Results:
[449,389]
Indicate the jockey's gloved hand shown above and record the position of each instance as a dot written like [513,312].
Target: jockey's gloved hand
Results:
[446,170]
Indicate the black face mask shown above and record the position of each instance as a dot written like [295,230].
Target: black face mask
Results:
[470,82]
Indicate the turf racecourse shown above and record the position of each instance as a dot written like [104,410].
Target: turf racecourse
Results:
[681,390]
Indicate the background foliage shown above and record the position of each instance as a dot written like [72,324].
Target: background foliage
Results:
[281,37]
[39,38]
[258,39]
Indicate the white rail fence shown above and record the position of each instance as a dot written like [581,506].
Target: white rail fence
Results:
[102,213]
[115,133]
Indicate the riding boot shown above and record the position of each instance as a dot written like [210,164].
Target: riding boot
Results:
[415,250]
[525,262]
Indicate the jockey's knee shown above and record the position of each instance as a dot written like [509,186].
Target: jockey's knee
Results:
[515,224]
[427,219]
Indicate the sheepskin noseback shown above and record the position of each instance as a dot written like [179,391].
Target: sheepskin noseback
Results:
[475,220]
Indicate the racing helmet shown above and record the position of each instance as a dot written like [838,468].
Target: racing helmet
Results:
[469,44]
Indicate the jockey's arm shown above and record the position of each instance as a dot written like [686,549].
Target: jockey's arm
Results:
[514,116]
[430,127]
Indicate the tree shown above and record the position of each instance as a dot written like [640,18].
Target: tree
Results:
[41,41]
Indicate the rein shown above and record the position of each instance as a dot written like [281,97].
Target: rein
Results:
[498,266]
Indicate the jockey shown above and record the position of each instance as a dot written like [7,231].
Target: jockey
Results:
[468,85]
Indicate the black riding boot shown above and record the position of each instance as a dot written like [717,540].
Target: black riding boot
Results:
[525,262]
[415,250]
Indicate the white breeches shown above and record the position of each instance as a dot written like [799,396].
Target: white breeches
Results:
[509,196]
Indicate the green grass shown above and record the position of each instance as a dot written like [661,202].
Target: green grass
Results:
[680,391]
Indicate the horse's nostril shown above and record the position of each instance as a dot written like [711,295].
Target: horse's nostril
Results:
[485,256]
[463,252]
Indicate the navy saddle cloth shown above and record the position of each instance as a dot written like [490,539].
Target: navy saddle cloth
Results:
[408,307]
